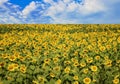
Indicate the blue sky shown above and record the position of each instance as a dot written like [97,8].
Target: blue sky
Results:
[60,11]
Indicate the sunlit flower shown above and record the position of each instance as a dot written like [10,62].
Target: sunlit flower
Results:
[21,58]
[108,47]
[12,58]
[82,64]
[67,62]
[97,57]
[75,78]
[55,59]
[94,68]
[74,60]
[114,43]
[16,66]
[116,81]
[87,80]
[89,60]
[46,61]
[11,67]
[52,75]
[67,70]
[58,81]
[102,48]
[85,70]
[75,53]
[4,56]
[2,64]
[76,82]
[57,68]
[41,79]
[76,64]
[23,68]
[108,63]
[118,39]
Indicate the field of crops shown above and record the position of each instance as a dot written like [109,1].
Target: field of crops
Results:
[59,54]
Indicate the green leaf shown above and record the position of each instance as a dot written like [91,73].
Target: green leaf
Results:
[37,70]
[6,81]
[29,71]
[32,67]
[52,81]
[20,79]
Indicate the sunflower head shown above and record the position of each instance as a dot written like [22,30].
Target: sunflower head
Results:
[87,80]
[75,78]
[116,81]
[94,68]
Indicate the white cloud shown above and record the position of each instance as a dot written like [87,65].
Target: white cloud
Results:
[29,8]
[72,6]
[2,2]
[48,1]
[61,11]
[67,1]
[92,6]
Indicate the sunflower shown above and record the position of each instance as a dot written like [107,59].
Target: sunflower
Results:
[108,47]
[102,48]
[87,80]
[55,60]
[97,57]
[67,70]
[76,82]
[57,68]
[4,56]
[67,62]
[2,64]
[116,81]
[85,70]
[41,79]
[94,68]
[21,58]
[108,63]
[75,53]
[118,39]
[58,81]
[74,60]
[12,58]
[16,66]
[11,67]
[76,64]
[52,75]
[82,64]
[89,60]
[75,78]
[23,68]
[46,61]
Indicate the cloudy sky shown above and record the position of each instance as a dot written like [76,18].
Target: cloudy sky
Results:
[60,11]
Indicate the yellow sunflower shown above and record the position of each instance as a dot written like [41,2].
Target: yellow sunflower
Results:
[58,81]
[94,68]
[87,80]
[116,81]
[67,70]
[75,78]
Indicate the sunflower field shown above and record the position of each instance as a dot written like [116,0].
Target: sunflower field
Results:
[59,54]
